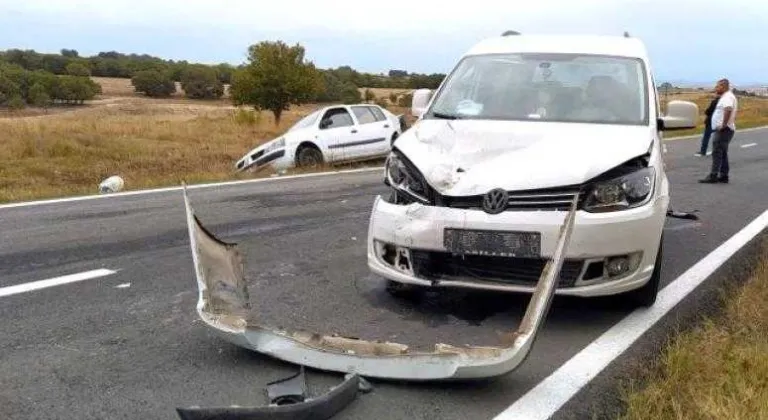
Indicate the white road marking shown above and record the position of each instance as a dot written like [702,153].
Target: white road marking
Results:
[744,146]
[57,281]
[123,286]
[552,393]
[189,187]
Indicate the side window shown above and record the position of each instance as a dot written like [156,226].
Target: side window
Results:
[363,115]
[335,118]
[377,112]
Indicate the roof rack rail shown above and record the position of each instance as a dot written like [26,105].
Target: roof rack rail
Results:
[508,33]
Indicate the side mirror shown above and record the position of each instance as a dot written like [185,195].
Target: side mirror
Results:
[420,101]
[325,123]
[681,115]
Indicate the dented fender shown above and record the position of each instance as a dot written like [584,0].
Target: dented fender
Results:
[223,304]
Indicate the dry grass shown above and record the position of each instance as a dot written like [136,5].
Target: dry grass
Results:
[150,143]
[717,371]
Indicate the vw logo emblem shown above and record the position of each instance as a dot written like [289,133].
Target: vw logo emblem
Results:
[495,201]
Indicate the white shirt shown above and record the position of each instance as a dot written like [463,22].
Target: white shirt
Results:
[727,100]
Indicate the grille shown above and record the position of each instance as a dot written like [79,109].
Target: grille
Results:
[551,199]
[433,265]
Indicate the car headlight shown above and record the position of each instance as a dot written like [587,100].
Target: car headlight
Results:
[625,192]
[277,144]
[404,177]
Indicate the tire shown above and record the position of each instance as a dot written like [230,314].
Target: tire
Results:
[646,296]
[309,157]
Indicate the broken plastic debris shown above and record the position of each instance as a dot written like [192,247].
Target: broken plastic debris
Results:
[112,184]
[290,390]
[320,408]
[682,215]
[223,304]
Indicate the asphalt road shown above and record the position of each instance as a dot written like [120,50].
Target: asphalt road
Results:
[93,350]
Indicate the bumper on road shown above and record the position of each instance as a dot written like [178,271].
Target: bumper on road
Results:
[223,304]
[609,253]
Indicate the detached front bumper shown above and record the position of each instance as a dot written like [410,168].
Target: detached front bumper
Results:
[406,245]
[223,304]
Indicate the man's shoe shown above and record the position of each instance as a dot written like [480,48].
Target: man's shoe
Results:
[708,180]
[722,179]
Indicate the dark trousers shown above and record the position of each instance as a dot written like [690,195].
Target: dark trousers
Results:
[720,142]
[705,138]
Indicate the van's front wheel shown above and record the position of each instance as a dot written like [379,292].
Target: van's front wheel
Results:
[646,295]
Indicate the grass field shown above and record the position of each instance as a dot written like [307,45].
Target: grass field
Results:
[152,142]
[717,371]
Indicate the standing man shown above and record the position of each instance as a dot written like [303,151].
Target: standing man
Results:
[707,126]
[723,129]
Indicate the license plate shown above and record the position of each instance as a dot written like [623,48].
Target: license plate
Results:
[493,243]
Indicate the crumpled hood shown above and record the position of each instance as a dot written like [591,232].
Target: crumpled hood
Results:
[464,157]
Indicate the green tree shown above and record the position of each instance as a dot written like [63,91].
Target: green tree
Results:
[78,69]
[153,83]
[201,82]
[8,89]
[38,96]
[16,103]
[276,77]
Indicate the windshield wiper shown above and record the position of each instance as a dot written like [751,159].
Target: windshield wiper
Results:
[444,116]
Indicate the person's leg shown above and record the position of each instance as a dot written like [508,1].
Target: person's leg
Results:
[726,137]
[717,155]
[705,140]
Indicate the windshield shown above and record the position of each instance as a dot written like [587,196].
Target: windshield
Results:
[306,121]
[545,87]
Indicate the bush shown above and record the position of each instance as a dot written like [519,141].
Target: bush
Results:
[38,96]
[369,96]
[78,69]
[153,83]
[350,94]
[245,116]
[201,83]
[16,102]
[405,100]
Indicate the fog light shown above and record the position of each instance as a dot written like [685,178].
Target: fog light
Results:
[617,266]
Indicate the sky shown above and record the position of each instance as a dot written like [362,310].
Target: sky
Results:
[688,41]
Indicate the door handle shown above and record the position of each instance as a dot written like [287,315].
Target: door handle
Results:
[386,125]
[354,131]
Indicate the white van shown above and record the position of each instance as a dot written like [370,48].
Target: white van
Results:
[482,182]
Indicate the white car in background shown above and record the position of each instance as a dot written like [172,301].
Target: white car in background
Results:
[481,184]
[333,134]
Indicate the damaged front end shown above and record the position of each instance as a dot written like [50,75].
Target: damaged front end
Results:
[224,306]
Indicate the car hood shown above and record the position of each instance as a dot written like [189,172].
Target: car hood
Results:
[463,157]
